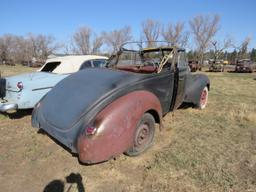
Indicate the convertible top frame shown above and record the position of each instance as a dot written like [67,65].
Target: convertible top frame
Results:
[162,48]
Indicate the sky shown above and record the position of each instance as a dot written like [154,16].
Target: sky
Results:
[61,18]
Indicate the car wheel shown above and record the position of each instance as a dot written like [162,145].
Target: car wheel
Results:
[203,98]
[144,135]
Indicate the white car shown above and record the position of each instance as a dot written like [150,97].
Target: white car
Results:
[24,91]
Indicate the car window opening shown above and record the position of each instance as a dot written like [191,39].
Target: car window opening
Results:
[146,61]
[49,67]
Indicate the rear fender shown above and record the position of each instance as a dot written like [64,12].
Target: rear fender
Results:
[194,87]
[116,126]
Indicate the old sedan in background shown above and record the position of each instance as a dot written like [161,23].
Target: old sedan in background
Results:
[216,66]
[244,66]
[103,112]
[194,65]
[24,91]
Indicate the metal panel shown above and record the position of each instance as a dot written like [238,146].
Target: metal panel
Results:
[2,87]
[116,126]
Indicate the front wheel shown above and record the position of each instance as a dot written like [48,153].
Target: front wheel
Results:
[203,98]
[144,135]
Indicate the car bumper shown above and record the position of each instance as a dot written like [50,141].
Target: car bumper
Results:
[4,107]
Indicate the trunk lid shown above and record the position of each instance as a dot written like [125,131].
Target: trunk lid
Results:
[73,97]
[31,80]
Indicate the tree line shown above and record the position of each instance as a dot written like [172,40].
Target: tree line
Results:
[200,39]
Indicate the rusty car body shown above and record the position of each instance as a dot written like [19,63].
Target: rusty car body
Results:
[101,113]
[216,66]
[194,65]
[244,66]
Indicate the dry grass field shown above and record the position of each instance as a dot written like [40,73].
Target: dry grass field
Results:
[208,150]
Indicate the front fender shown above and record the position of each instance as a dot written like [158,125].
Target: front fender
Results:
[194,86]
[116,126]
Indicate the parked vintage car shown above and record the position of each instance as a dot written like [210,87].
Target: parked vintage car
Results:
[194,66]
[216,66]
[244,66]
[100,113]
[24,91]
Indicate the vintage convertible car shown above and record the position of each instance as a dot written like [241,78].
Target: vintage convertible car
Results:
[24,91]
[100,113]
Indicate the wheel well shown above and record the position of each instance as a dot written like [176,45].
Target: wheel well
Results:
[208,86]
[155,115]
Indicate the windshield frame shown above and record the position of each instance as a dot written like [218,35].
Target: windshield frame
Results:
[115,58]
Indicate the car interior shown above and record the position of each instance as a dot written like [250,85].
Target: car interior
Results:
[146,61]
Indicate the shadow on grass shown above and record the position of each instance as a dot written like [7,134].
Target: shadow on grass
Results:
[239,72]
[208,71]
[186,106]
[41,131]
[58,185]
[18,114]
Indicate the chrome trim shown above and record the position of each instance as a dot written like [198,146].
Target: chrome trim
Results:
[42,88]
[6,107]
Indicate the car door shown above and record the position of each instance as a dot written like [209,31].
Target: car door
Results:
[179,80]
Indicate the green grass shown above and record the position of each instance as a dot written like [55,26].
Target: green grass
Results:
[198,150]
[2,117]
[7,70]
[216,148]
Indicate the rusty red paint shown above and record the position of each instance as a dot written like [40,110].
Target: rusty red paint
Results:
[141,69]
[116,126]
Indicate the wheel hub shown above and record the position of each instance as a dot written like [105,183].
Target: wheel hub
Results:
[142,135]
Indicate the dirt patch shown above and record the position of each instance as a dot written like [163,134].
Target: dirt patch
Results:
[208,150]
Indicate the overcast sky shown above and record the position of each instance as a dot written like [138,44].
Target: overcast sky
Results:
[62,17]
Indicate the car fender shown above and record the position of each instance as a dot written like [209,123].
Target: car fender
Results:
[194,87]
[116,126]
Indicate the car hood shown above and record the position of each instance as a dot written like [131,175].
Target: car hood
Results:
[74,96]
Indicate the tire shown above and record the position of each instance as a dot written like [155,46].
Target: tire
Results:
[203,98]
[144,135]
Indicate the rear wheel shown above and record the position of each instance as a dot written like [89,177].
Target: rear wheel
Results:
[144,135]
[203,98]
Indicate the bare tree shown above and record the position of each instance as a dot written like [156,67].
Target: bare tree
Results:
[243,48]
[175,34]
[14,49]
[219,47]
[42,46]
[204,28]
[85,41]
[6,48]
[20,49]
[151,30]
[97,43]
[47,45]
[114,39]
